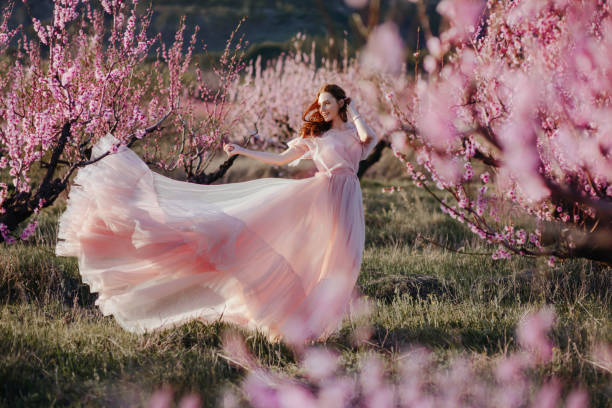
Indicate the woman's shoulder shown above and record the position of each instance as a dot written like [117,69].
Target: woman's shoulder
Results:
[302,141]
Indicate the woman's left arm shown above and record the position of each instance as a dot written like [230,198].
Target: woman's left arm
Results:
[366,133]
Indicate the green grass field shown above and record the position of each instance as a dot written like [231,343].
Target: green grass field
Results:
[58,350]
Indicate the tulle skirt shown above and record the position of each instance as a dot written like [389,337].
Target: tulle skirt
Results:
[274,254]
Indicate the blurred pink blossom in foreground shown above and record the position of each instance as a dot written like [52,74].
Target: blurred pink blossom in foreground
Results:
[413,377]
[384,50]
[162,398]
[418,380]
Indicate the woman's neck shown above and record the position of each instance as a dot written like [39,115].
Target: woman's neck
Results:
[339,124]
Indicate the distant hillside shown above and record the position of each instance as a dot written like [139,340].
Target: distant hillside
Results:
[269,25]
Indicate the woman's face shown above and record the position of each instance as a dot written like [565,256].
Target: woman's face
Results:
[328,106]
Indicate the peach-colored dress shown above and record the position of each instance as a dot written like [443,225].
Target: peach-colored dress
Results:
[281,255]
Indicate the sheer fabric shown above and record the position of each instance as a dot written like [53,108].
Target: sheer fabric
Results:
[265,254]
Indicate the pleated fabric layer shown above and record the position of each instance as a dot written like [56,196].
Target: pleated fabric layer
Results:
[279,255]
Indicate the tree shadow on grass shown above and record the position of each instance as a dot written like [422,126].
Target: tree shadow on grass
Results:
[481,340]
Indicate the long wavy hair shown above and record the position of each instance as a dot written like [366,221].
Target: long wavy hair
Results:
[314,125]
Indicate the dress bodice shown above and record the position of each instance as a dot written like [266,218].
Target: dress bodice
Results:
[335,151]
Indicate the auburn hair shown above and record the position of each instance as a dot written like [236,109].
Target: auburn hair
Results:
[314,125]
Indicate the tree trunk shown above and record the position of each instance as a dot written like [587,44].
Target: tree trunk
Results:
[373,158]
[20,206]
[204,178]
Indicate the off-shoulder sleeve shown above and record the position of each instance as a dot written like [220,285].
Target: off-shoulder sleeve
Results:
[303,145]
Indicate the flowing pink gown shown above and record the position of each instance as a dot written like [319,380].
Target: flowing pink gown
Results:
[275,254]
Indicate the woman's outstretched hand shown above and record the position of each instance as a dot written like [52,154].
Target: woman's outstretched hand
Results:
[231,149]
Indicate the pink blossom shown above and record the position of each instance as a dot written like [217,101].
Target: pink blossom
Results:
[430,64]
[296,396]
[434,47]
[548,395]
[259,392]
[577,398]
[106,5]
[68,76]
[532,330]
[319,363]
[437,119]
[463,14]
[336,392]
[384,50]
[399,142]
[29,230]
[447,170]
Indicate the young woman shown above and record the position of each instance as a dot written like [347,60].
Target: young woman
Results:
[279,255]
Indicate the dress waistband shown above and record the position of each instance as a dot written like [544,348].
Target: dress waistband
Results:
[346,171]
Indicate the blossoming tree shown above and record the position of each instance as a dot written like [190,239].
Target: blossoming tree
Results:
[208,117]
[514,118]
[79,79]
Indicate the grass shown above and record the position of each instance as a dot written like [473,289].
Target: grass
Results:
[58,350]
